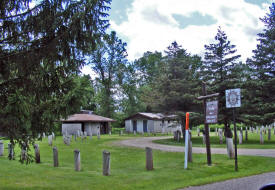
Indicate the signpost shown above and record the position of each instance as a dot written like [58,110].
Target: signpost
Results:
[233,100]
[211,112]
[186,140]
[206,128]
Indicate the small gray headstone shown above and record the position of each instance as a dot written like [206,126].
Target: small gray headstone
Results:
[1,148]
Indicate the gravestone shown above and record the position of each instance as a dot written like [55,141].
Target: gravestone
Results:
[44,136]
[50,140]
[121,132]
[77,162]
[91,135]
[1,148]
[110,132]
[135,133]
[269,133]
[53,135]
[220,135]
[106,163]
[23,154]
[230,149]
[257,130]
[78,133]
[98,134]
[198,131]
[216,131]
[241,132]
[149,158]
[10,152]
[240,138]
[246,134]
[37,153]
[55,157]
[203,138]
[190,158]
[261,136]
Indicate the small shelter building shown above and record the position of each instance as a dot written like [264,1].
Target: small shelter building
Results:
[149,123]
[86,121]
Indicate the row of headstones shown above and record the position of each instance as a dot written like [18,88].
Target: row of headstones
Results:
[264,130]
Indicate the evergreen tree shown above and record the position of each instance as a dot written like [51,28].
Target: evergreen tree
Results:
[42,48]
[220,71]
[260,86]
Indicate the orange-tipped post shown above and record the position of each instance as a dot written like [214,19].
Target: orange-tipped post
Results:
[187,121]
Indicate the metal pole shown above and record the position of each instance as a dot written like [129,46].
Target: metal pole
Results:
[235,141]
[207,139]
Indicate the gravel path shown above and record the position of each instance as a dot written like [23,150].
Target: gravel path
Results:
[245,183]
[147,141]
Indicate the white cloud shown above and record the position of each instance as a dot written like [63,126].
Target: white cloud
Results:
[151,26]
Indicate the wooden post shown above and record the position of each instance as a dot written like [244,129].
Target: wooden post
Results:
[37,153]
[1,148]
[77,162]
[10,151]
[207,139]
[149,158]
[55,157]
[106,163]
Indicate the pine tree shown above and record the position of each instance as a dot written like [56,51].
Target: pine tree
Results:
[220,63]
[260,86]
[42,48]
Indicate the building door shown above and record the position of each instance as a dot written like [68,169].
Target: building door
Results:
[145,126]
[134,125]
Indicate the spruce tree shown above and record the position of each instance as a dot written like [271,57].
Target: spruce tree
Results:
[43,45]
[219,65]
[260,86]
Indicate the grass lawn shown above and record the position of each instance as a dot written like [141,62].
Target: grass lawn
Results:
[127,168]
[253,141]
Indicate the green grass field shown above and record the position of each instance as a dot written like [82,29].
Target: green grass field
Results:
[252,142]
[127,168]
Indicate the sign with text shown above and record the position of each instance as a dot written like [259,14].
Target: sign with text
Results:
[233,98]
[211,112]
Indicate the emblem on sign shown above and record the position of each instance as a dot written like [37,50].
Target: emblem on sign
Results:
[233,98]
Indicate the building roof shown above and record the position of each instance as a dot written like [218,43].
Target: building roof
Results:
[153,116]
[86,117]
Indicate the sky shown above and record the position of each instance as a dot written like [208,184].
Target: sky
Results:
[152,25]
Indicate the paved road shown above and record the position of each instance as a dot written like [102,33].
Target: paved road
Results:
[246,183]
[147,141]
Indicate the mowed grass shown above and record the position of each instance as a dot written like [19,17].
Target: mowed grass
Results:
[127,168]
[253,141]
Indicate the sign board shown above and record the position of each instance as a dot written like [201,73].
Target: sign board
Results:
[211,115]
[233,98]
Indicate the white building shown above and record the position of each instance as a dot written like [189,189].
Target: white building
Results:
[149,123]
[86,121]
